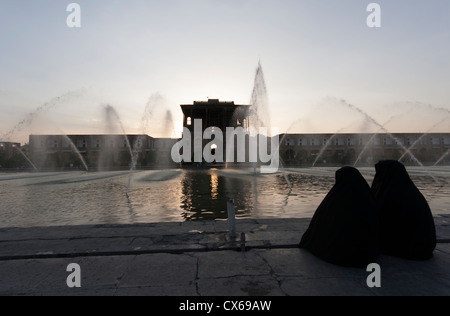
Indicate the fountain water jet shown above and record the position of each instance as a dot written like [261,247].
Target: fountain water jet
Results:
[372,120]
[155,102]
[77,152]
[26,157]
[112,114]
[423,135]
[157,111]
[30,117]
[170,127]
[259,112]
[369,142]
[151,104]
[259,104]
[442,157]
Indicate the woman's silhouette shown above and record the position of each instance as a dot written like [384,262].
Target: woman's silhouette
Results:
[407,227]
[344,229]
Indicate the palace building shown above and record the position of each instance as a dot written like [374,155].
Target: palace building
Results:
[215,114]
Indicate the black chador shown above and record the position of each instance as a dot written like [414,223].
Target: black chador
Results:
[407,227]
[344,228]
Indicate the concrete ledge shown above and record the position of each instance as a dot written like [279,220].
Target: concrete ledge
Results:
[134,239]
[199,258]
[108,240]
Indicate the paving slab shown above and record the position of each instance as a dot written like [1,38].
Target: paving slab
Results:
[200,259]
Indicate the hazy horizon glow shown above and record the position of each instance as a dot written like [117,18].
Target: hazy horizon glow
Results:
[314,56]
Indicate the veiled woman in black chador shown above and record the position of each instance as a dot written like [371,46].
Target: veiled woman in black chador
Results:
[407,227]
[344,228]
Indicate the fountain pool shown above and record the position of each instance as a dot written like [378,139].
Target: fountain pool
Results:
[79,198]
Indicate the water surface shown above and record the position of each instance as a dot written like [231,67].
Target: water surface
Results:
[76,198]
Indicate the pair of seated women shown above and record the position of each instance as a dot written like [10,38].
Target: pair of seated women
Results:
[356,223]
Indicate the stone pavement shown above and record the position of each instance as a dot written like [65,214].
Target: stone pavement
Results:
[200,259]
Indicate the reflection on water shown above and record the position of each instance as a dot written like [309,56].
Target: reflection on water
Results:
[214,186]
[75,198]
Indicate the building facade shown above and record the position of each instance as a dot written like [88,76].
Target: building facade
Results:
[306,149]
[102,152]
[105,152]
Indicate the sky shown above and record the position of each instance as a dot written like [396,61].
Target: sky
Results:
[135,55]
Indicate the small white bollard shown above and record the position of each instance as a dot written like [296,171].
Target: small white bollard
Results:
[231,218]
